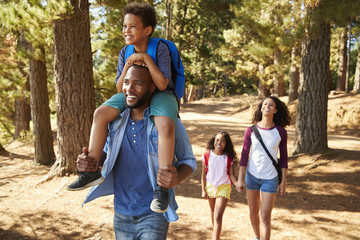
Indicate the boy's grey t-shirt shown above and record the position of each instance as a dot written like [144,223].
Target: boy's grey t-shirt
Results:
[163,63]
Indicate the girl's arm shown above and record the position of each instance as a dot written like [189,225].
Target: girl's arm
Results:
[240,186]
[203,181]
[232,174]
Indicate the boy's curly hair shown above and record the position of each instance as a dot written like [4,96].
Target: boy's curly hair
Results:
[281,117]
[145,11]
[229,146]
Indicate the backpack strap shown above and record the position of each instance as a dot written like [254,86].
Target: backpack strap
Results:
[258,136]
[129,50]
[229,162]
[276,165]
[151,50]
[206,160]
[177,67]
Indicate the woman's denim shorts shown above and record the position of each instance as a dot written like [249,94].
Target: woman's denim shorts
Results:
[263,185]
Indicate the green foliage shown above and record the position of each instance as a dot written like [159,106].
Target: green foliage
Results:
[353,59]
[26,136]
[34,21]
[210,34]
[11,80]
[198,33]
[190,21]
[222,42]
[107,41]
[260,29]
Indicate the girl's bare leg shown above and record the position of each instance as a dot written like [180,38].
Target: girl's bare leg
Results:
[220,206]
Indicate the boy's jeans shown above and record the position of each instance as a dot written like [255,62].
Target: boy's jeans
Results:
[146,227]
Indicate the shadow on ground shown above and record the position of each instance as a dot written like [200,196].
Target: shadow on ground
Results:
[71,228]
[334,191]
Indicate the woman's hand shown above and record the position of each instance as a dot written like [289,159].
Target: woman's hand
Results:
[240,185]
[282,188]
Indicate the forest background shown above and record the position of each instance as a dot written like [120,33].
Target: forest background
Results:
[58,62]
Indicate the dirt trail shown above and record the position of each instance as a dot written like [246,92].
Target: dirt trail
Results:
[322,199]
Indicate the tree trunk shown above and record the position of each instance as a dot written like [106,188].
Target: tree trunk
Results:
[201,95]
[348,62]
[357,74]
[294,77]
[278,79]
[263,89]
[22,109]
[168,19]
[191,95]
[39,104]
[2,149]
[74,86]
[311,117]
[22,116]
[40,111]
[342,61]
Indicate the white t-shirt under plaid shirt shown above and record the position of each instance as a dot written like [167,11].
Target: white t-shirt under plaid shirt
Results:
[217,169]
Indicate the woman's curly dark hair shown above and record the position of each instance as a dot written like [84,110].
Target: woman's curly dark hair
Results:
[281,117]
[145,11]
[229,146]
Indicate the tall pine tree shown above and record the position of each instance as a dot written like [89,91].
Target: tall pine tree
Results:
[311,118]
[28,21]
[74,85]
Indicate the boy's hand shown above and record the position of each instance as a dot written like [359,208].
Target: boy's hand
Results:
[85,163]
[138,58]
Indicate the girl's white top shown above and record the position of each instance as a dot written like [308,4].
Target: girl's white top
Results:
[217,169]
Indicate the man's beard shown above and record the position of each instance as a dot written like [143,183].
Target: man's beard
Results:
[140,102]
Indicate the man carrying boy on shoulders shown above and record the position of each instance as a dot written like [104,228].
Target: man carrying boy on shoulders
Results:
[131,169]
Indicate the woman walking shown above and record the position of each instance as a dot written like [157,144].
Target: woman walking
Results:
[258,174]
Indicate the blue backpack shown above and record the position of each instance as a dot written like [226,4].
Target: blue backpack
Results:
[177,67]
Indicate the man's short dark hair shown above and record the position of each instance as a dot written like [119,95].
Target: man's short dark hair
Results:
[142,67]
[145,11]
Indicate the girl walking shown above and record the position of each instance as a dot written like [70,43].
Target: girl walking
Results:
[217,177]
[258,174]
